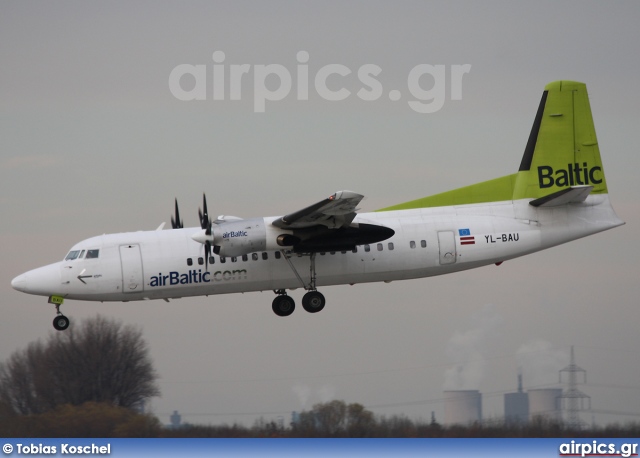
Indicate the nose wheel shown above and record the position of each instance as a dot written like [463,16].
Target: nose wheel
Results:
[60,322]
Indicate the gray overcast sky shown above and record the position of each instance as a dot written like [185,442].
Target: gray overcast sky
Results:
[93,141]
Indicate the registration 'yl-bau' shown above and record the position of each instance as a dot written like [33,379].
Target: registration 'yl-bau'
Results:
[559,194]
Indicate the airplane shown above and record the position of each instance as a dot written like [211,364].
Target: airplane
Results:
[558,194]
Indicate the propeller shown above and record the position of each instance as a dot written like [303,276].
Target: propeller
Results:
[205,223]
[176,223]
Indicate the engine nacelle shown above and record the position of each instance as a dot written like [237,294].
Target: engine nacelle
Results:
[235,238]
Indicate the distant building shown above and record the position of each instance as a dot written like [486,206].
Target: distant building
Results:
[516,405]
[545,403]
[462,407]
[176,420]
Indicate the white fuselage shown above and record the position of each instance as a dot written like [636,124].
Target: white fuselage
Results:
[168,264]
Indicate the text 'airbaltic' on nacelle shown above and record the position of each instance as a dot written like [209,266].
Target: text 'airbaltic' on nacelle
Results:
[238,237]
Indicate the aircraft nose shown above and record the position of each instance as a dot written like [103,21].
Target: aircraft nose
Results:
[43,281]
[19,283]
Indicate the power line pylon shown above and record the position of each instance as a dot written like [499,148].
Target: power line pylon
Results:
[573,397]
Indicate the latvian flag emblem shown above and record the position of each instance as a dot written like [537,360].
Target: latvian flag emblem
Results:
[466,238]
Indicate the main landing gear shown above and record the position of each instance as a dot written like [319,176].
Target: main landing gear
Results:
[60,322]
[313,301]
[284,305]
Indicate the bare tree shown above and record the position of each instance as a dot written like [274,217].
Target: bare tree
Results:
[99,361]
[360,421]
[19,378]
[335,419]
[330,417]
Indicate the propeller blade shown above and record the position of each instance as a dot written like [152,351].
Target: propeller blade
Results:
[204,204]
[207,254]
[204,216]
[176,223]
[206,224]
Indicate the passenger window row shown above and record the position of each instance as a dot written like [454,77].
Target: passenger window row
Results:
[264,255]
[244,257]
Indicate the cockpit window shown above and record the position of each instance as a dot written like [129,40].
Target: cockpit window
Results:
[72,255]
[79,254]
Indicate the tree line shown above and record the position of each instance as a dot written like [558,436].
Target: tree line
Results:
[335,419]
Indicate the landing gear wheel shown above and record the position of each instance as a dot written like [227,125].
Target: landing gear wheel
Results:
[283,305]
[313,301]
[60,322]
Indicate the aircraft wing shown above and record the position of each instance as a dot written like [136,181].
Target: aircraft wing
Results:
[334,212]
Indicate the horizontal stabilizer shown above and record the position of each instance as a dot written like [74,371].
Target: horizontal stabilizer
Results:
[572,195]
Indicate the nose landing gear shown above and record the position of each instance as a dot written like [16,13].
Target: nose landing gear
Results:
[60,322]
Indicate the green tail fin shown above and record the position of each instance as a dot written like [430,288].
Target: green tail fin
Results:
[562,152]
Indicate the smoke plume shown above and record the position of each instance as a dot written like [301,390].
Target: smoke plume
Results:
[465,351]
